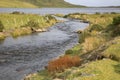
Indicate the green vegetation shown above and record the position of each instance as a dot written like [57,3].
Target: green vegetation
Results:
[2,36]
[1,26]
[99,70]
[16,4]
[98,50]
[113,51]
[63,63]
[18,23]
[114,27]
[35,3]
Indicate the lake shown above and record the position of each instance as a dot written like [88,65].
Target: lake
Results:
[59,10]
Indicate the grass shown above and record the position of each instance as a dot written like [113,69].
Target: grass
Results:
[76,50]
[94,35]
[21,31]
[40,76]
[19,24]
[12,21]
[113,51]
[35,3]
[2,36]
[92,43]
[102,19]
[16,4]
[91,40]
[97,70]
[55,66]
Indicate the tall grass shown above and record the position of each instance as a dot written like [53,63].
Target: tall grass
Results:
[12,21]
[113,51]
[92,43]
[21,24]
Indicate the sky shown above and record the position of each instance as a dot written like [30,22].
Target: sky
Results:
[96,3]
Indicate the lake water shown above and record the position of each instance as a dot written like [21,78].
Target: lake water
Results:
[59,10]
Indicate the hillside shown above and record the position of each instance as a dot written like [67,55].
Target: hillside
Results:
[16,4]
[35,3]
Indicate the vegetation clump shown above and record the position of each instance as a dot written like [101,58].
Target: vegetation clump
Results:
[63,63]
[17,23]
[69,51]
[116,20]
[114,28]
[96,27]
[17,12]
[1,26]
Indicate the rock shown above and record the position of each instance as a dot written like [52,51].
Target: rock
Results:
[41,30]
[29,76]
[3,61]
[38,30]
[57,79]
[79,31]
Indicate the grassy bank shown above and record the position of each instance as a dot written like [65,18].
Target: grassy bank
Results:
[17,23]
[98,50]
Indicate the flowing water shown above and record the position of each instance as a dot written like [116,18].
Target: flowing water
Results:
[28,54]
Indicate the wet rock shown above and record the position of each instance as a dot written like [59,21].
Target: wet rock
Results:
[40,30]
[79,31]
[3,61]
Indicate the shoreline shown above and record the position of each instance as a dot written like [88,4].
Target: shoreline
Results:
[89,54]
[26,28]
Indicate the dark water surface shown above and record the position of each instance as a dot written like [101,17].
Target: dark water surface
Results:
[60,10]
[28,54]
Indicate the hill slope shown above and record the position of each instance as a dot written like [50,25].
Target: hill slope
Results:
[36,3]
[16,4]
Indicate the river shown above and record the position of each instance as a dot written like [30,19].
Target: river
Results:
[27,54]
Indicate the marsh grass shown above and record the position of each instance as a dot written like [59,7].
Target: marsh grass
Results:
[21,24]
[2,36]
[21,31]
[97,70]
[92,43]
[12,21]
[113,51]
